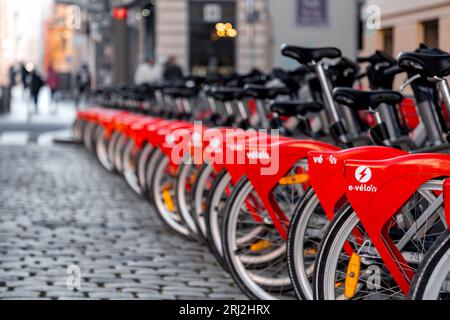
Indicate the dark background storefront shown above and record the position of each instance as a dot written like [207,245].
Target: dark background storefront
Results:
[207,51]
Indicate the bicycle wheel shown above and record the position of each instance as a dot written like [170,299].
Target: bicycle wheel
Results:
[129,165]
[306,231]
[162,190]
[254,250]
[143,158]
[432,280]
[184,182]
[102,150]
[118,152]
[112,147]
[201,189]
[413,229]
[215,214]
[77,130]
[89,136]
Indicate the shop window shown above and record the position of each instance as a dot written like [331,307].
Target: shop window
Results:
[388,41]
[209,52]
[431,33]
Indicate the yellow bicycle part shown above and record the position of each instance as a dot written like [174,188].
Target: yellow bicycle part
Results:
[167,197]
[310,251]
[352,276]
[260,245]
[294,179]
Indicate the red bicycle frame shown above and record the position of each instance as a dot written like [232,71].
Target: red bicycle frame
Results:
[378,189]
[326,172]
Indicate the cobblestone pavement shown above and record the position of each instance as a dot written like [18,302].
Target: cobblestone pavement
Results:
[59,207]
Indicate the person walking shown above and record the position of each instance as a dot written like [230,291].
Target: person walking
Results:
[35,84]
[172,70]
[12,76]
[147,72]
[24,79]
[24,75]
[53,84]
[82,84]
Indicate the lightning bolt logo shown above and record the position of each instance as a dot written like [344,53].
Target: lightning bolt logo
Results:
[363,174]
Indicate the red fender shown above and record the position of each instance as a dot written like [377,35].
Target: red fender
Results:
[160,135]
[85,113]
[108,121]
[216,147]
[379,189]
[123,122]
[236,148]
[176,144]
[447,201]
[326,171]
[136,130]
[92,115]
[150,131]
[202,148]
[267,163]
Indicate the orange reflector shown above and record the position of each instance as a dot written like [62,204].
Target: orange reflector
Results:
[352,276]
[310,251]
[167,197]
[294,179]
[261,245]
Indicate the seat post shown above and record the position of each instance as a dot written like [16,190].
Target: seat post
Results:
[228,107]
[187,105]
[425,94]
[326,88]
[242,109]
[338,128]
[443,87]
[212,105]
[260,108]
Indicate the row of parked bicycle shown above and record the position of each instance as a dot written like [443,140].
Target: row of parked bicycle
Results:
[347,199]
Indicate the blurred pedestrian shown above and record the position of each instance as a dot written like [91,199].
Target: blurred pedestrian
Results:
[147,72]
[53,84]
[12,76]
[35,84]
[24,75]
[82,84]
[172,71]
[24,79]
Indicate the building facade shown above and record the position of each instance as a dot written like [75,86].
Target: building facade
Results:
[315,23]
[21,34]
[404,24]
[113,45]
[186,29]
[262,25]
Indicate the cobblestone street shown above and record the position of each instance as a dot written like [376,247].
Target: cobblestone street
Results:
[59,207]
